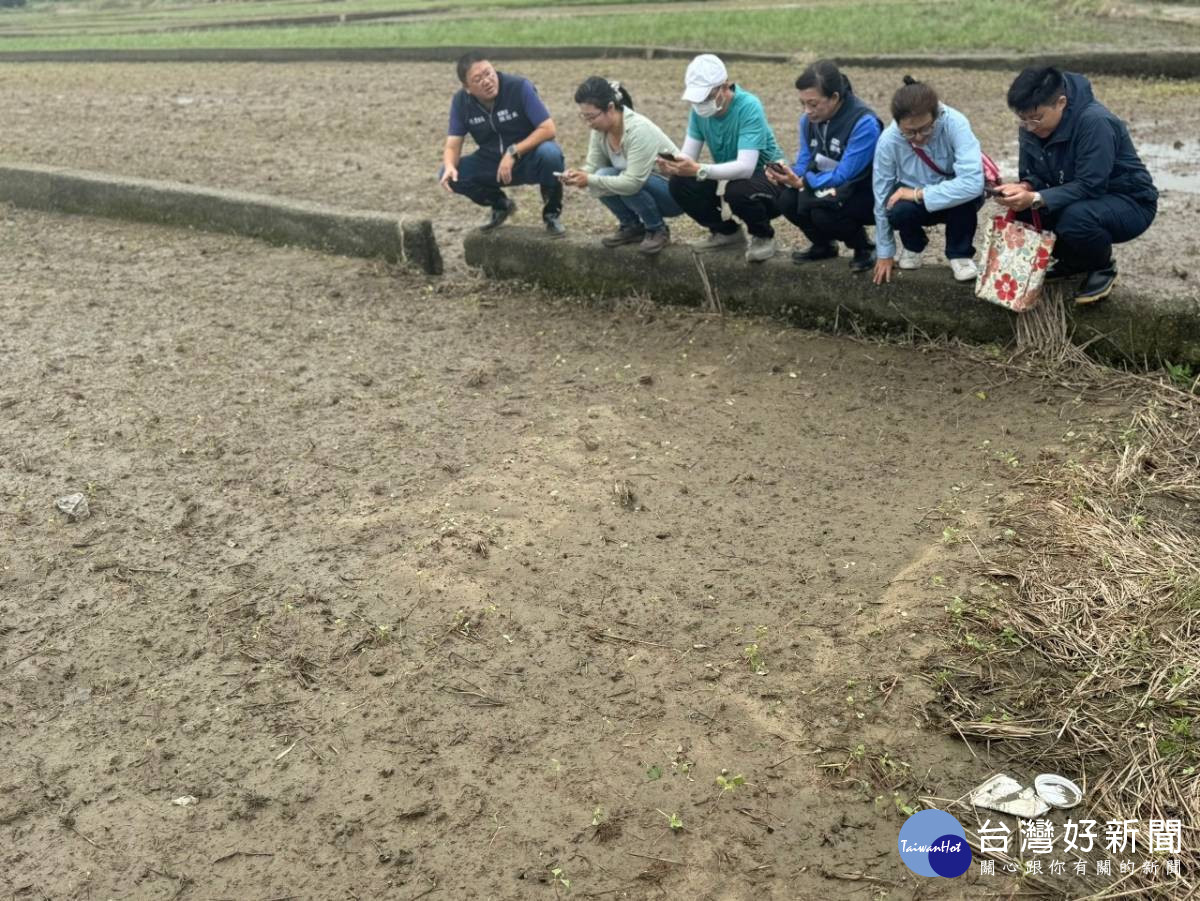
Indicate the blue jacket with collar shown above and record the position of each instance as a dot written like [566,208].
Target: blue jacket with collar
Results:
[1088,155]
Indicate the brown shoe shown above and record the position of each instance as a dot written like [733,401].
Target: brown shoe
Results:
[655,241]
[624,235]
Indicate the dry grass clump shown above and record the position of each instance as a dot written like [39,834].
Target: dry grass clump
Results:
[1085,660]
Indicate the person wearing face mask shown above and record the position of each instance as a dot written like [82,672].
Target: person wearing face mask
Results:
[515,136]
[622,151]
[827,192]
[928,169]
[1080,171]
[733,125]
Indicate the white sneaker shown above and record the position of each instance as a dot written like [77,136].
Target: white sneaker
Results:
[718,241]
[964,270]
[908,259]
[760,249]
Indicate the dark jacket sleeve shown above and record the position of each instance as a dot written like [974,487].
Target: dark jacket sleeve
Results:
[1095,149]
[1025,168]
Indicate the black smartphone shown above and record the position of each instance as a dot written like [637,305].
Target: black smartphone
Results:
[668,156]
[991,191]
[777,167]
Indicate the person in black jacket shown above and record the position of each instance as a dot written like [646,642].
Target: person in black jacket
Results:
[827,191]
[1080,172]
[515,134]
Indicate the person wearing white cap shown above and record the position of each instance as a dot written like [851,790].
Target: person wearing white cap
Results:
[731,122]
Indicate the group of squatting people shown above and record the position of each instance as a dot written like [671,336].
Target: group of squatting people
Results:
[1079,174]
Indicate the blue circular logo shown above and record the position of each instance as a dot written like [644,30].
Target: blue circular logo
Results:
[933,843]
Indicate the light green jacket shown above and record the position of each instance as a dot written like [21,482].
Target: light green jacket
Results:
[641,144]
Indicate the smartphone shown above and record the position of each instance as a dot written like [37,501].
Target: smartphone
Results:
[558,174]
[668,156]
[777,167]
[992,191]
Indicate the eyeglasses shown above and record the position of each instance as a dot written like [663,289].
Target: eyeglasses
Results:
[481,79]
[1031,121]
[922,132]
[591,117]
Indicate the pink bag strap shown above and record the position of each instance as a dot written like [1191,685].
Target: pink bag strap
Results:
[991,172]
[1037,218]
[925,158]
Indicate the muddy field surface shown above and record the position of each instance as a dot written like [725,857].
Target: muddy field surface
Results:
[370,136]
[396,589]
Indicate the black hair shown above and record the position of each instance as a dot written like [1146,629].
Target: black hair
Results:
[467,60]
[826,77]
[1036,87]
[600,92]
[914,99]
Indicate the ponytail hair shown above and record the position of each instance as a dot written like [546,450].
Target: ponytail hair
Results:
[826,77]
[600,93]
[914,99]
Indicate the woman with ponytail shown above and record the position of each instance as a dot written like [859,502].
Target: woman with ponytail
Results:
[928,170]
[620,168]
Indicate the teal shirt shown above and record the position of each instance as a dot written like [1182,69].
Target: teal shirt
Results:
[744,127]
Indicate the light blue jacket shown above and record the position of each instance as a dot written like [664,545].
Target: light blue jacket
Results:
[955,150]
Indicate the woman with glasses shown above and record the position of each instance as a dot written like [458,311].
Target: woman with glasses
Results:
[620,168]
[827,193]
[928,170]
[1079,169]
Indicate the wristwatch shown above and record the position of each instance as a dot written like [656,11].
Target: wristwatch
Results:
[702,173]
[512,151]
[1038,203]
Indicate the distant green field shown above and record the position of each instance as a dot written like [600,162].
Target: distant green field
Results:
[850,27]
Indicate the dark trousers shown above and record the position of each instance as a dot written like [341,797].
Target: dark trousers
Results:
[751,199]
[1086,230]
[477,177]
[827,219]
[909,220]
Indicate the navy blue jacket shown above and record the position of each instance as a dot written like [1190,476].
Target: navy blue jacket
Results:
[1090,154]
[515,113]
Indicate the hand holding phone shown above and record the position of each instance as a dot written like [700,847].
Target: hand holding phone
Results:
[669,157]
[992,191]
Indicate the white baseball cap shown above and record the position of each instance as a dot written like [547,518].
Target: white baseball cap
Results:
[704,73]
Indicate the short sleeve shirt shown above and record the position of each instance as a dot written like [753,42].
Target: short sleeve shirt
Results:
[744,127]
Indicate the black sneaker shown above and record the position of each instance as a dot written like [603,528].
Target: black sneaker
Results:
[1097,286]
[863,259]
[814,253]
[554,227]
[626,234]
[499,214]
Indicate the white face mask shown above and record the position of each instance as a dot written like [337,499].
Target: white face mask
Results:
[706,109]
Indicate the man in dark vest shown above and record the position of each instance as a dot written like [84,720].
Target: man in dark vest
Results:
[515,134]
[827,192]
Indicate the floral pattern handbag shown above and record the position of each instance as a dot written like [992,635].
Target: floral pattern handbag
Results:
[1015,257]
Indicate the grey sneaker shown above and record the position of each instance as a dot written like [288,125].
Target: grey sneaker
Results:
[760,249]
[554,226]
[626,234]
[655,241]
[719,241]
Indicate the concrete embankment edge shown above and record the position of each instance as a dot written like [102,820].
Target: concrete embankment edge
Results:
[1126,328]
[1180,62]
[272,219]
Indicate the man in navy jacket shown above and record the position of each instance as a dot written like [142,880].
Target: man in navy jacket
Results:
[515,134]
[1079,170]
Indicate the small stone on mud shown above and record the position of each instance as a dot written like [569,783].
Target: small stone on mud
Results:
[378,669]
[74,505]
[645,379]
